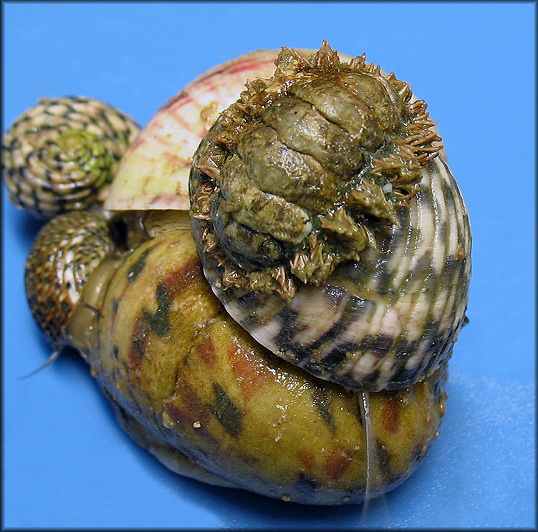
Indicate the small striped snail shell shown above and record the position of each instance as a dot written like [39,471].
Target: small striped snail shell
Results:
[58,155]
[328,225]
[64,254]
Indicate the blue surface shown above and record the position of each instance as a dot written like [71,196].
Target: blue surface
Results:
[68,464]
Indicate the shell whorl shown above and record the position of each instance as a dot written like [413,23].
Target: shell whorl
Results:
[63,256]
[386,321]
[58,155]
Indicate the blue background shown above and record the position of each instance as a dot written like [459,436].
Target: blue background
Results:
[66,461]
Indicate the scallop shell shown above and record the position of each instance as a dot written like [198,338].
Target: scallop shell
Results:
[154,172]
[60,155]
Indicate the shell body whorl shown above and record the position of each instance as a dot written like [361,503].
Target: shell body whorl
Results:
[385,321]
[194,388]
[186,378]
[67,250]
[58,155]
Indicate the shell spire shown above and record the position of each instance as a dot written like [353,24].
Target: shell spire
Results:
[61,154]
[66,251]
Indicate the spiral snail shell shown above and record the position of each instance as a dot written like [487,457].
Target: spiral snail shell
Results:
[62,258]
[193,387]
[327,225]
[290,334]
[58,155]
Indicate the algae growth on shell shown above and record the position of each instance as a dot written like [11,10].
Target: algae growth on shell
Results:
[312,180]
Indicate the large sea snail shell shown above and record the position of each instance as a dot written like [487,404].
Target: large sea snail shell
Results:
[191,385]
[329,227]
[58,155]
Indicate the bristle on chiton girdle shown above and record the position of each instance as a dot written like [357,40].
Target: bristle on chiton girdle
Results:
[328,225]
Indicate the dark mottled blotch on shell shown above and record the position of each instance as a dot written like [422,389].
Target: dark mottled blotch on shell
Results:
[59,155]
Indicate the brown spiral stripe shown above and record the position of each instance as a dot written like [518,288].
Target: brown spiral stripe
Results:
[64,254]
[57,155]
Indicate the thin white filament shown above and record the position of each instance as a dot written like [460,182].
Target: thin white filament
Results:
[55,354]
[371,461]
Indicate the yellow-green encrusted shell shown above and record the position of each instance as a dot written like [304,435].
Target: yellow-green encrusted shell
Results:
[193,387]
